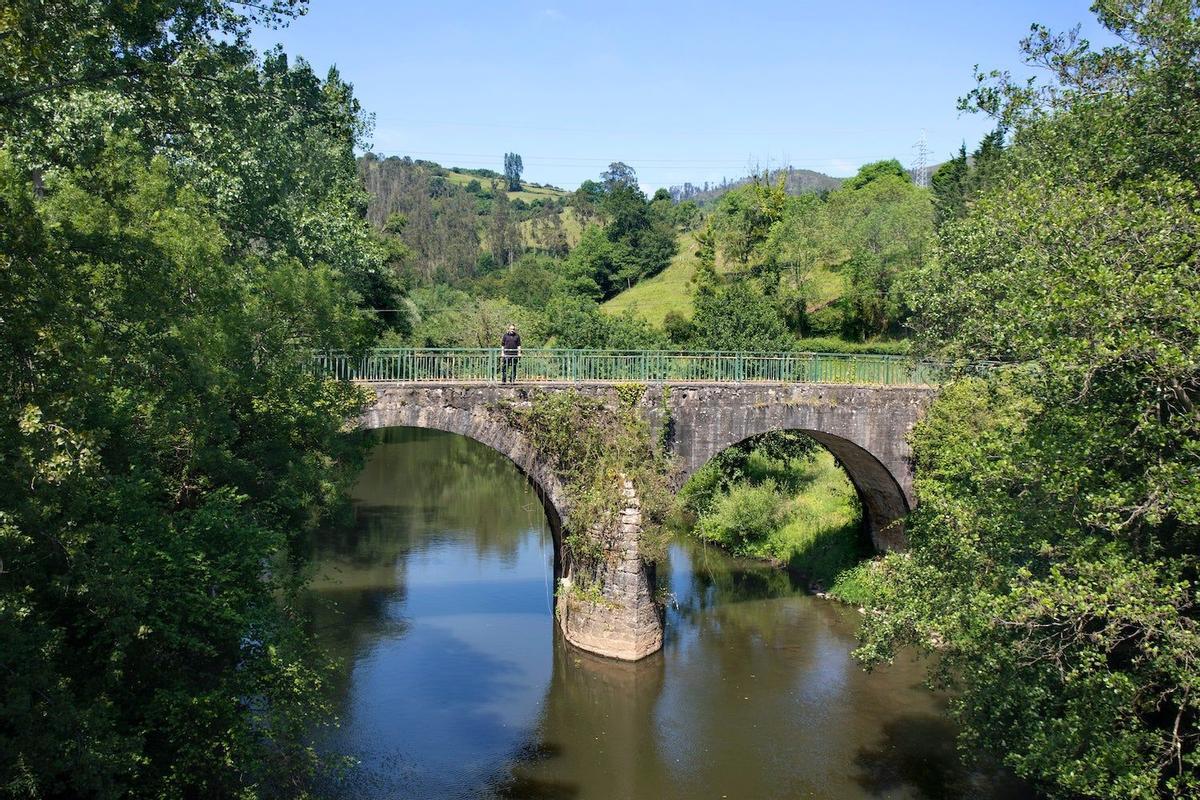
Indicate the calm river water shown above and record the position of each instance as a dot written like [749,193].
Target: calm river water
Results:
[456,683]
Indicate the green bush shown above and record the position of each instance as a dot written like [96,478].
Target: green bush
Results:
[825,321]
[745,517]
[857,585]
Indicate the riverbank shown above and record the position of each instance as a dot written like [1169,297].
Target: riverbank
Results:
[800,513]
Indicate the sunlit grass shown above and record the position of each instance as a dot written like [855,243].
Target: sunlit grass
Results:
[669,290]
[673,288]
[814,524]
[528,192]
[821,536]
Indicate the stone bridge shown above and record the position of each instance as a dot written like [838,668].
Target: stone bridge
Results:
[865,427]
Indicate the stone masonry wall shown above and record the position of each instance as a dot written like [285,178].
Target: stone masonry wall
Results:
[625,622]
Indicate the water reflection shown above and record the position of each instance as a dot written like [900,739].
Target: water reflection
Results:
[457,684]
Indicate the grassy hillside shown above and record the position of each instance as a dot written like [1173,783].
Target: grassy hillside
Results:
[570,224]
[671,289]
[529,191]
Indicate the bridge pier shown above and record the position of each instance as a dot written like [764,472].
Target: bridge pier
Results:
[618,616]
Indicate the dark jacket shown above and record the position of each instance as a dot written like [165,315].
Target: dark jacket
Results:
[510,342]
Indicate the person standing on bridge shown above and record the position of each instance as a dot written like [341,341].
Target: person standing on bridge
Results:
[510,351]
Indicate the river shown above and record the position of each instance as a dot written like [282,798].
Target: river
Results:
[456,684]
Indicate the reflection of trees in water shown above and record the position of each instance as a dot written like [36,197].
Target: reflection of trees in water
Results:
[418,488]
[918,750]
[464,485]
[718,579]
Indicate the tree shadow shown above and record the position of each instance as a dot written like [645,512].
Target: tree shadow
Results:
[918,752]
[519,784]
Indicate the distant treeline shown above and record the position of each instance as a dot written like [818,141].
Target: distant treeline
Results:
[795,181]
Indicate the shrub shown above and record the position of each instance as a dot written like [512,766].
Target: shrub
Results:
[747,516]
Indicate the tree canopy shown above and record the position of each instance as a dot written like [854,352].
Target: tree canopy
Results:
[513,167]
[1054,553]
[181,226]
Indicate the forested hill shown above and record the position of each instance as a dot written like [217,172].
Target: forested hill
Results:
[393,181]
[796,181]
[449,218]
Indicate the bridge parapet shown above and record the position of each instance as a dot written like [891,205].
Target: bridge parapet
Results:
[556,365]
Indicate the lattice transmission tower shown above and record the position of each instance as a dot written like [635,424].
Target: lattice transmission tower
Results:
[920,168]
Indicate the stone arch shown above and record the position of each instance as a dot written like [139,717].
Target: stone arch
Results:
[466,417]
[865,427]
[883,501]
[626,623]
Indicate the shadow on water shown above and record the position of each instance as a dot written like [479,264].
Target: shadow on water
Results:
[521,784]
[601,706]
[918,751]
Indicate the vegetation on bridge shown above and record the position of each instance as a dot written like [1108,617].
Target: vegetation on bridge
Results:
[594,446]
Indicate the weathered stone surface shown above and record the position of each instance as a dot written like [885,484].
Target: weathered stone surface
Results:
[471,412]
[625,622]
[865,427]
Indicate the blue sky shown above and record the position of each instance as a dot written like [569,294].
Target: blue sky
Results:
[680,91]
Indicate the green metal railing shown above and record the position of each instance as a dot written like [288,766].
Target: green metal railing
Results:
[482,365]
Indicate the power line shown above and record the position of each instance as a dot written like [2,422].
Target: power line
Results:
[795,130]
[606,161]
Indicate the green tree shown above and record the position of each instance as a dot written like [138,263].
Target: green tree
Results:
[797,245]
[949,184]
[592,265]
[637,243]
[531,281]
[738,317]
[165,445]
[1053,563]
[874,171]
[961,179]
[585,202]
[512,171]
[618,174]
[743,218]
[884,228]
[549,231]
[53,51]
[573,321]
[687,215]
[181,226]
[504,234]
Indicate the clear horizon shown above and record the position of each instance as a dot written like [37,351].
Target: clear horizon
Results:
[695,93]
